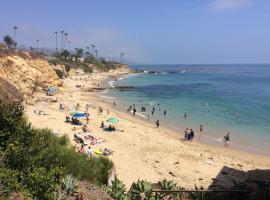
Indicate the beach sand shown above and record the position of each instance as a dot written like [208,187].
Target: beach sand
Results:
[140,150]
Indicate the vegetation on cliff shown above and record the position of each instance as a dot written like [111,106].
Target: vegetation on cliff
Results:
[34,161]
[85,61]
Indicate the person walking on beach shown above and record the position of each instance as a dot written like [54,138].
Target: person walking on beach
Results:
[89,152]
[134,111]
[157,123]
[165,112]
[201,127]
[114,103]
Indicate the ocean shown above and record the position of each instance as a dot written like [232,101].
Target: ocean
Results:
[231,98]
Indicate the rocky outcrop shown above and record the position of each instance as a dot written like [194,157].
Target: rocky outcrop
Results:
[27,73]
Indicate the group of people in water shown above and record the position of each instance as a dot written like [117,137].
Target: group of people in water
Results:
[189,134]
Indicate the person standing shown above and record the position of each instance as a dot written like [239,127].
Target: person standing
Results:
[165,112]
[191,135]
[157,123]
[185,115]
[186,134]
[89,152]
[201,127]
[134,111]
[227,137]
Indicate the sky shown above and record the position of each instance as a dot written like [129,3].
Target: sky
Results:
[148,31]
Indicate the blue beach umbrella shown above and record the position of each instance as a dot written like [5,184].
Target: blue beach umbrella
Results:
[79,115]
[112,120]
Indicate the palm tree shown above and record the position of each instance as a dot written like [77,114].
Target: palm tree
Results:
[87,50]
[93,48]
[65,53]
[96,51]
[55,41]
[37,45]
[122,55]
[15,31]
[8,40]
[66,35]
[62,32]
[69,45]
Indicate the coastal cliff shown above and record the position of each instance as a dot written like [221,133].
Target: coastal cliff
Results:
[23,73]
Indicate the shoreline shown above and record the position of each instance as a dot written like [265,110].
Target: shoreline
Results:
[177,132]
[141,151]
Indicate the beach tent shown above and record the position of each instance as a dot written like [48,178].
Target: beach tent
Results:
[112,120]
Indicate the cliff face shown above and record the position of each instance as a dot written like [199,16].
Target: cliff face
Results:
[25,73]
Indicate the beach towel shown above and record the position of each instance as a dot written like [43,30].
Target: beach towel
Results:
[98,152]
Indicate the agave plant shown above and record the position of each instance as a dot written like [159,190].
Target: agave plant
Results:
[117,190]
[141,190]
[69,185]
[167,185]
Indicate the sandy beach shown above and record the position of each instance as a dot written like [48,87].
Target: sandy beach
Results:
[140,150]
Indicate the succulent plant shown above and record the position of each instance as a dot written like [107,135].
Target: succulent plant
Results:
[141,190]
[69,185]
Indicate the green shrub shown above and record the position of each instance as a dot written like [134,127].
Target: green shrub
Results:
[35,160]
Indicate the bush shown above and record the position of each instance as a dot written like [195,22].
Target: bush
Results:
[35,160]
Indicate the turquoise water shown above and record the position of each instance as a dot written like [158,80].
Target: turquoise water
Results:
[234,98]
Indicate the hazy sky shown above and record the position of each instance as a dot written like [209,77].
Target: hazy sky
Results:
[148,31]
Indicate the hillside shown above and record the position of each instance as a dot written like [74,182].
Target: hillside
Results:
[23,73]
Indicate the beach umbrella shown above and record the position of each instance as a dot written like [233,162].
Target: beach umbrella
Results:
[79,115]
[112,120]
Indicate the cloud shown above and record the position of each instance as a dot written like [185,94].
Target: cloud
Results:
[222,5]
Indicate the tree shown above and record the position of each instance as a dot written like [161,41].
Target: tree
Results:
[93,48]
[79,52]
[14,44]
[66,35]
[65,53]
[96,52]
[62,33]
[55,41]
[15,32]
[89,58]
[8,40]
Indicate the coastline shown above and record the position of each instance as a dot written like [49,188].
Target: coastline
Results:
[142,151]
[177,132]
